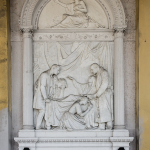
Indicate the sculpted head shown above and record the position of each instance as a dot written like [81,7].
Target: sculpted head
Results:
[55,69]
[95,68]
[84,101]
[62,83]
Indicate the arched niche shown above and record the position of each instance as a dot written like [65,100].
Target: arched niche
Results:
[37,13]
[111,14]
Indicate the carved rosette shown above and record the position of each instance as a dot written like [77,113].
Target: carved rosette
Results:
[104,36]
[27,32]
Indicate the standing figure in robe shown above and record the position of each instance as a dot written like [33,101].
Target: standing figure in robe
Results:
[84,89]
[76,16]
[52,108]
[104,95]
[43,91]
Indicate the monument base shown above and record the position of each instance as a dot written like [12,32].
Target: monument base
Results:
[74,140]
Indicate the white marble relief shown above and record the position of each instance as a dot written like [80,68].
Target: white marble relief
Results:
[73,85]
[73,14]
[73,81]
[75,36]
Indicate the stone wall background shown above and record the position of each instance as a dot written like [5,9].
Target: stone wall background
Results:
[17,68]
[129,56]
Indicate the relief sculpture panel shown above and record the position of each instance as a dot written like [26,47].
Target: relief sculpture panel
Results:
[73,85]
[73,14]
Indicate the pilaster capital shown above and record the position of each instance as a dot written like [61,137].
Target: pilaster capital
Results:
[119,29]
[27,31]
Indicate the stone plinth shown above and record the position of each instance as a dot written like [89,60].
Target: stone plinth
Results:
[77,140]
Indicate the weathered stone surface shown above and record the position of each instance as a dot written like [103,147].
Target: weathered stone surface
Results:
[130,11]
[5,77]
[129,53]
[15,9]
[17,78]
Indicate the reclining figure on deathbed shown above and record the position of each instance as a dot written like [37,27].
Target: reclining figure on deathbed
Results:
[92,108]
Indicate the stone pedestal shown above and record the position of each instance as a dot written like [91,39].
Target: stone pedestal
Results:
[77,140]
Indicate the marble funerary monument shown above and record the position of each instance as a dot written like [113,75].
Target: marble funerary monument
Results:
[73,75]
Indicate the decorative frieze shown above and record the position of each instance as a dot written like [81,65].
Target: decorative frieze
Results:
[121,139]
[73,140]
[101,36]
[26,140]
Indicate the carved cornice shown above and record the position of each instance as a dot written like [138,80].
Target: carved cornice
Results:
[26,140]
[122,139]
[74,140]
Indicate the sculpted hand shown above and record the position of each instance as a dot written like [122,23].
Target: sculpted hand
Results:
[91,96]
[71,78]
[47,100]
[77,7]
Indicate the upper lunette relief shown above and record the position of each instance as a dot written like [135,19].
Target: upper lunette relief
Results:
[73,14]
